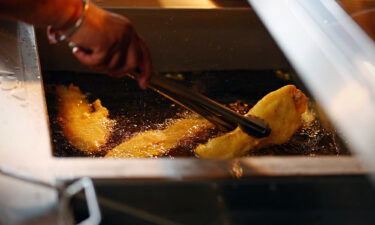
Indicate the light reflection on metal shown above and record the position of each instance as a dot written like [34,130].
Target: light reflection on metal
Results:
[368,70]
[334,58]
[236,169]
[84,184]
[6,72]
[66,193]
[203,4]
[181,4]
[349,99]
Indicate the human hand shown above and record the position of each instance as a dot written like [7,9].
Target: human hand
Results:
[109,43]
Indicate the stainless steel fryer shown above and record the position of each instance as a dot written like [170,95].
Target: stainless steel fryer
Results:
[178,42]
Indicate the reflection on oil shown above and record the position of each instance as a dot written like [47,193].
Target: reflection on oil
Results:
[236,169]
[138,111]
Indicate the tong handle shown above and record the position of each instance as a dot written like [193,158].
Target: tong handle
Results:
[214,112]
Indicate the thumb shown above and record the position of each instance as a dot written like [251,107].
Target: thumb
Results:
[145,66]
[51,35]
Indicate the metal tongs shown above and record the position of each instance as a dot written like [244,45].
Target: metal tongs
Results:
[223,117]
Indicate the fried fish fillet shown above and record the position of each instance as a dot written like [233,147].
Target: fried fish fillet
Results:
[282,109]
[86,126]
[157,142]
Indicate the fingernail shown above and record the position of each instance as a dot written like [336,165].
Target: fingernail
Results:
[75,49]
[143,84]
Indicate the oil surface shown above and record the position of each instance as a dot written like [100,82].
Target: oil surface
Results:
[136,110]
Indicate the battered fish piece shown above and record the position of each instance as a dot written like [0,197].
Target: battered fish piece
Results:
[282,109]
[157,142]
[86,126]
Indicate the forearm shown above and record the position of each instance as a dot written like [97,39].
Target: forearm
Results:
[115,47]
[57,13]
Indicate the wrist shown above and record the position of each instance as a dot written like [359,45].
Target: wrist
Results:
[72,23]
[70,20]
[62,13]
[94,19]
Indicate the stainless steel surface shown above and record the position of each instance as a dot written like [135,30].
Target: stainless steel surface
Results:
[25,143]
[65,193]
[23,125]
[22,202]
[334,58]
[25,140]
[186,4]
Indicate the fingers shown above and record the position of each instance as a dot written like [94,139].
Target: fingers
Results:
[133,57]
[51,35]
[120,62]
[145,66]
[94,59]
[126,59]
[117,61]
[138,57]
[117,51]
[116,57]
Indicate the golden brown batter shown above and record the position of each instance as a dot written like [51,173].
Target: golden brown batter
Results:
[282,109]
[157,142]
[86,126]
